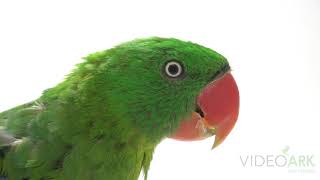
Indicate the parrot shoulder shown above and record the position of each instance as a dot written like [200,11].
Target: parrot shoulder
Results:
[14,123]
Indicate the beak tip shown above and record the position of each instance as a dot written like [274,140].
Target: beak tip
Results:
[216,143]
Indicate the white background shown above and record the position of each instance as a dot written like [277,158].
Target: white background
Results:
[273,47]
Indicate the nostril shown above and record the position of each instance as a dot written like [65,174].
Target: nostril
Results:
[226,68]
[218,74]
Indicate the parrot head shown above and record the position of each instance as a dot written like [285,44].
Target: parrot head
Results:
[165,87]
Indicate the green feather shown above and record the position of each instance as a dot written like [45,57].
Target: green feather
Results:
[105,120]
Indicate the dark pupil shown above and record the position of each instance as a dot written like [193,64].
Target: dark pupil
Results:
[173,69]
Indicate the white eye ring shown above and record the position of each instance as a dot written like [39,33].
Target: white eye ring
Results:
[173,69]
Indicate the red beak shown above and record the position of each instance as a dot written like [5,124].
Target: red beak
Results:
[217,113]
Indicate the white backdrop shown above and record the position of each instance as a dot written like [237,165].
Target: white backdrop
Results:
[273,47]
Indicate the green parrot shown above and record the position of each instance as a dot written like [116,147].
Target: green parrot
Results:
[106,118]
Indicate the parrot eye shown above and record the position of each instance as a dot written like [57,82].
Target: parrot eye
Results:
[173,69]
